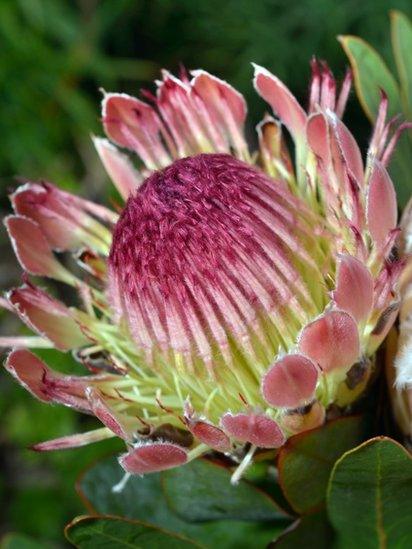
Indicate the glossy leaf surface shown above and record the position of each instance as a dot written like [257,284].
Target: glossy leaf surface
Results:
[307,459]
[144,498]
[370,496]
[109,532]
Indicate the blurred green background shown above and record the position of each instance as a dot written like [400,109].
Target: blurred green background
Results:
[54,57]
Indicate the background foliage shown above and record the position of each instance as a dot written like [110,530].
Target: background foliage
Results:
[55,54]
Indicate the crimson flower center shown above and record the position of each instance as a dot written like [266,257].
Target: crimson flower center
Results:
[201,251]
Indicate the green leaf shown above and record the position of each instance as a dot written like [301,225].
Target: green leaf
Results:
[142,498]
[20,541]
[401,35]
[201,490]
[370,496]
[307,459]
[400,168]
[310,532]
[109,532]
[371,74]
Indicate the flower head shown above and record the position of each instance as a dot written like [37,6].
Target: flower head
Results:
[238,295]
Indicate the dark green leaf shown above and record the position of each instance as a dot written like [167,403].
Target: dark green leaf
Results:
[401,33]
[202,491]
[400,168]
[305,462]
[371,75]
[110,532]
[143,499]
[310,532]
[370,496]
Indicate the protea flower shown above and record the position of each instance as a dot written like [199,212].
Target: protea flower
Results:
[238,297]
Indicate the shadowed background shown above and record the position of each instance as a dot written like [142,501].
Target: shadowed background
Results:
[55,55]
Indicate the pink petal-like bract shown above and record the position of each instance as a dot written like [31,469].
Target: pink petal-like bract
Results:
[210,435]
[30,371]
[317,134]
[133,124]
[106,415]
[257,429]
[348,148]
[283,103]
[225,106]
[71,441]
[290,382]
[381,205]
[153,457]
[47,316]
[332,341]
[50,386]
[119,167]
[31,248]
[214,91]
[67,221]
[38,202]
[354,287]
